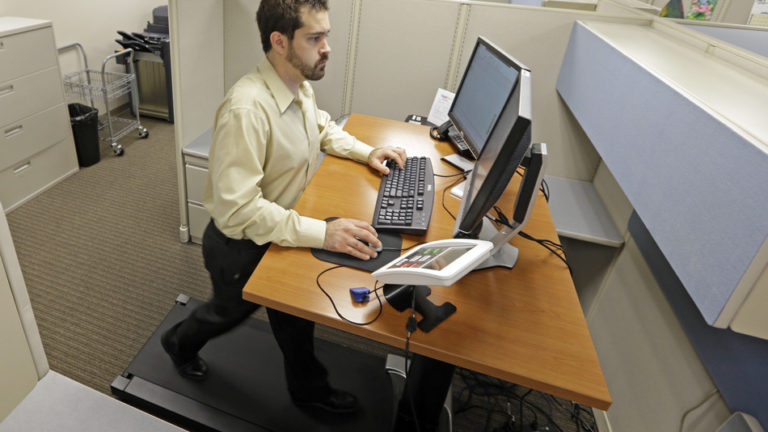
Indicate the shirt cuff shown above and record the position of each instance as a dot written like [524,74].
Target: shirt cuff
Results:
[360,151]
[312,232]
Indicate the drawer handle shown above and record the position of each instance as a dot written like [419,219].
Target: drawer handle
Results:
[22,168]
[6,90]
[14,131]
[2,44]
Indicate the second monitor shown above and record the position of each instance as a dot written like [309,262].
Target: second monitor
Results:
[505,145]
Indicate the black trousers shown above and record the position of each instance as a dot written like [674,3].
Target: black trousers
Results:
[230,263]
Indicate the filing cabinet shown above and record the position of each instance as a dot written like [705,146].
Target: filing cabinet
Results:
[36,145]
[196,173]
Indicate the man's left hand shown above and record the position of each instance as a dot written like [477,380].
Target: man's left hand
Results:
[378,156]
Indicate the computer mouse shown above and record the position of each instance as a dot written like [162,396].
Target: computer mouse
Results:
[379,249]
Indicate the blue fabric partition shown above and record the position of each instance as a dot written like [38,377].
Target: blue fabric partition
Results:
[735,362]
[698,185]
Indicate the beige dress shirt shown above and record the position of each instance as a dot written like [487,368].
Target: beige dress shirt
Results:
[265,149]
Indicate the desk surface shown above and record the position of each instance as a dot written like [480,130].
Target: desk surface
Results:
[523,325]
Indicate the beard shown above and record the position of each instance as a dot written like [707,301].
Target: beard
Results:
[310,72]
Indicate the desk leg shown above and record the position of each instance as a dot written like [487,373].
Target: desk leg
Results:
[424,394]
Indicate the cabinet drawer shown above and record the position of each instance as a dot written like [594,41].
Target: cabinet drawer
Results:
[198,220]
[26,52]
[30,94]
[24,138]
[196,178]
[25,179]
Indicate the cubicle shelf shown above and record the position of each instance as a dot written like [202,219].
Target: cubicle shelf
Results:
[579,213]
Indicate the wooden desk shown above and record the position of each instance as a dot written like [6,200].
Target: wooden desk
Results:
[523,325]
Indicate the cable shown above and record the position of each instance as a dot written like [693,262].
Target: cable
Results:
[548,244]
[375,291]
[685,416]
[457,181]
[410,327]
[464,173]
[500,393]
[580,422]
[403,249]
[544,189]
[522,402]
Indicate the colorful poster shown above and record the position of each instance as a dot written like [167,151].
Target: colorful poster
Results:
[701,9]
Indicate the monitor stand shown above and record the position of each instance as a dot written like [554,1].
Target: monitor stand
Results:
[503,254]
[459,162]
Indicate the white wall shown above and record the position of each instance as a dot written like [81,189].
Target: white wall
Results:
[92,23]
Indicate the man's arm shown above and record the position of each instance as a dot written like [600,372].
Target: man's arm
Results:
[338,142]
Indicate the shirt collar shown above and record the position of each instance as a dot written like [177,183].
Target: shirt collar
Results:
[280,91]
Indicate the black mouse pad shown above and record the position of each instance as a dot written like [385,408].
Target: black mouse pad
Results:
[392,243]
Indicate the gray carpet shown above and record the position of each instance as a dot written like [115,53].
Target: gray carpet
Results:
[101,257]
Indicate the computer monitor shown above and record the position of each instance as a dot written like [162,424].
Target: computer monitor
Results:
[488,81]
[505,148]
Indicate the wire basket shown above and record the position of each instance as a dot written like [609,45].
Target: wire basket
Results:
[87,84]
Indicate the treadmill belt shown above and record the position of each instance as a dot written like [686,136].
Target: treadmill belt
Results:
[245,389]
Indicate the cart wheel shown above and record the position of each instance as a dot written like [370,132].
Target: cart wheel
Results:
[117,149]
[143,132]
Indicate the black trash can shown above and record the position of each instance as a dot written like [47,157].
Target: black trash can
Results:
[85,128]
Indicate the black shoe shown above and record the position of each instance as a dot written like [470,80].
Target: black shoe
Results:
[194,369]
[335,401]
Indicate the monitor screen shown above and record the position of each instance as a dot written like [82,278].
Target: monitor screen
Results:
[488,80]
[504,149]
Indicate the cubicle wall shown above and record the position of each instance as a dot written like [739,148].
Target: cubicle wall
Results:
[197,59]
[22,360]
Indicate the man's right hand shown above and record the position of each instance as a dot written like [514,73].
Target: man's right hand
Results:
[341,235]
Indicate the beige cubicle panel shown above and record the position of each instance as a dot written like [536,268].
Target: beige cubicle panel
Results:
[17,367]
[242,43]
[22,359]
[404,50]
[624,7]
[331,91]
[586,5]
[197,59]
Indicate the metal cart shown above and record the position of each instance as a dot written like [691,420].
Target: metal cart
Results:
[89,85]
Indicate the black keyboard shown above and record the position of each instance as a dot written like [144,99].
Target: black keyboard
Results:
[405,198]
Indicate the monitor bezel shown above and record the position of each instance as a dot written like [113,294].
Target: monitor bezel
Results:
[474,207]
[475,148]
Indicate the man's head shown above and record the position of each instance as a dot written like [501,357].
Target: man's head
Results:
[283,16]
[296,31]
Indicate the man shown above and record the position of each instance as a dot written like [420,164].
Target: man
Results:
[268,133]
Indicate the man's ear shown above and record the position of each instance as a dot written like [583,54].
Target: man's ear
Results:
[279,42]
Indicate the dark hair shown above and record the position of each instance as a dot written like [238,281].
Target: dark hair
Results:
[283,16]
